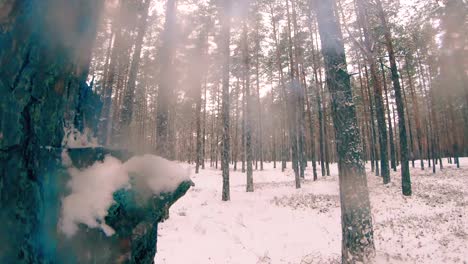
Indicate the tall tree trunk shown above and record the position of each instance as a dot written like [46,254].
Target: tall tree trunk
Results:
[422,87]
[292,108]
[48,60]
[366,117]
[410,129]
[356,219]
[274,131]
[302,158]
[259,106]
[325,132]
[405,174]
[379,106]
[126,113]
[416,114]
[318,85]
[248,114]
[283,95]
[204,125]
[397,139]
[322,139]
[389,118]
[114,132]
[244,121]
[105,124]
[323,117]
[107,63]
[166,84]
[372,120]
[199,73]
[236,123]
[226,53]
[311,129]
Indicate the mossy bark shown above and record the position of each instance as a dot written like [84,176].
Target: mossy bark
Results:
[356,219]
[46,46]
[45,49]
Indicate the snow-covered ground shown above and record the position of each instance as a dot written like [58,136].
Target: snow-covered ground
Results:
[280,224]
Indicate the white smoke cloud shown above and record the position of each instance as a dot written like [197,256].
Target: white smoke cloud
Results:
[92,188]
[159,174]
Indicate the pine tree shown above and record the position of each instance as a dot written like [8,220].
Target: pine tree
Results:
[43,92]
[199,76]
[370,53]
[405,174]
[248,106]
[166,84]
[225,49]
[356,220]
[129,93]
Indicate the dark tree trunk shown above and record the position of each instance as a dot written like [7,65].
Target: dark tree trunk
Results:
[248,114]
[302,159]
[41,88]
[325,133]
[163,140]
[100,91]
[292,107]
[416,114]
[244,120]
[397,150]
[259,106]
[104,126]
[372,120]
[126,113]
[379,105]
[410,129]
[274,131]
[357,237]
[199,73]
[236,123]
[366,118]
[405,174]
[318,85]
[282,91]
[311,131]
[322,139]
[225,49]
[389,118]
[323,110]
[381,124]
[204,127]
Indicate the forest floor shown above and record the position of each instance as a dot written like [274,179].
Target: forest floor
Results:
[280,224]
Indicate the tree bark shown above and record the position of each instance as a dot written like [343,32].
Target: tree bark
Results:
[410,129]
[226,54]
[416,114]
[248,114]
[379,106]
[199,73]
[283,95]
[405,174]
[292,107]
[356,219]
[372,120]
[48,56]
[126,113]
[163,140]
[389,118]
[259,105]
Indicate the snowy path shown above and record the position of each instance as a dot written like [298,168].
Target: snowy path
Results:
[279,224]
